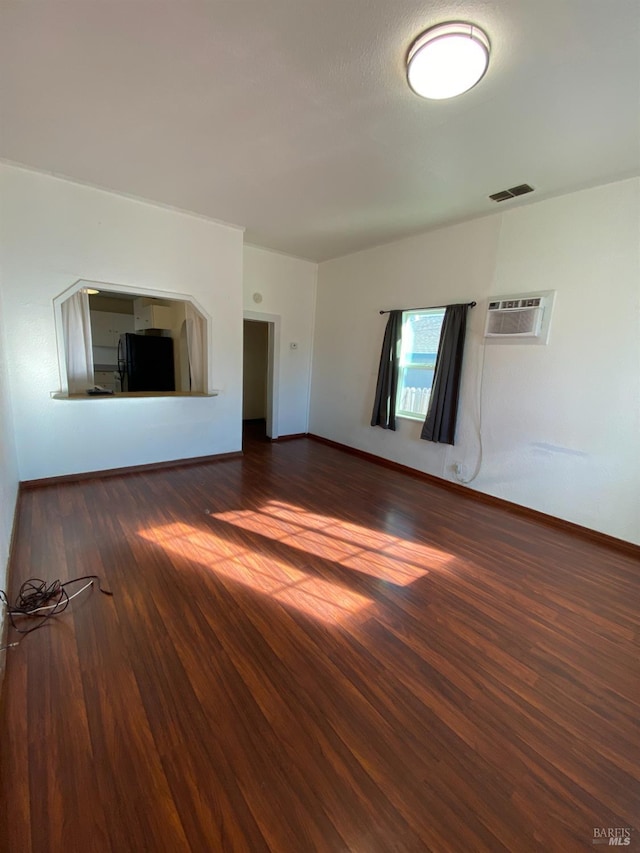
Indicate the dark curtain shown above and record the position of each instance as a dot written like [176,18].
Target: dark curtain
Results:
[440,423]
[384,408]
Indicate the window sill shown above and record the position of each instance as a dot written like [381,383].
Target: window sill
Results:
[130,395]
[416,418]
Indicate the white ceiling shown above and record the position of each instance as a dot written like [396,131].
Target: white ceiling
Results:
[294,119]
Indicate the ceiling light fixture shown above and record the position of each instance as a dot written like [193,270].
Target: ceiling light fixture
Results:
[447,60]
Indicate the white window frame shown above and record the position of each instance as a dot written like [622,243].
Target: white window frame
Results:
[405,366]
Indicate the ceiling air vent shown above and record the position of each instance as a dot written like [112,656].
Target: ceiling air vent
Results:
[521,189]
[503,195]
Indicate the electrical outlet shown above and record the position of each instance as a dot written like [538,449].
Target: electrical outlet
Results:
[459,470]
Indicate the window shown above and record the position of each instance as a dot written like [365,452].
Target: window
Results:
[418,352]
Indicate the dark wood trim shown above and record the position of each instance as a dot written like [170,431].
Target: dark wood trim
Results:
[4,633]
[491,500]
[292,436]
[131,469]
[4,628]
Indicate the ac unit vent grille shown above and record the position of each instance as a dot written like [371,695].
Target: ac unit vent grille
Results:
[514,322]
[520,319]
[531,302]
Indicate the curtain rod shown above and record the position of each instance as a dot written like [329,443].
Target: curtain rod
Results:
[425,308]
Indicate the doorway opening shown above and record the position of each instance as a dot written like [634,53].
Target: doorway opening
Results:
[259,376]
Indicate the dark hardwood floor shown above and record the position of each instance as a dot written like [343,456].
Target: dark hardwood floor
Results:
[307,652]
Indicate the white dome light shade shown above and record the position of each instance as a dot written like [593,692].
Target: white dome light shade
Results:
[447,60]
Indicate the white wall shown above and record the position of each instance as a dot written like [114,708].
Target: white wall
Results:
[8,464]
[560,423]
[55,232]
[288,289]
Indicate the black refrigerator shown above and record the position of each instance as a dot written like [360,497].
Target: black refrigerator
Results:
[145,363]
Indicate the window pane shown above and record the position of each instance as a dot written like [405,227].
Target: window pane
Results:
[420,340]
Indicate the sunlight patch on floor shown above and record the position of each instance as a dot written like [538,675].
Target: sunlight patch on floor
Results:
[379,555]
[330,602]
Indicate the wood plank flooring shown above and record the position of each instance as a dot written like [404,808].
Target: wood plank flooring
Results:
[307,652]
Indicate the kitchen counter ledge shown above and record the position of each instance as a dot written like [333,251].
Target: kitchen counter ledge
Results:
[143,394]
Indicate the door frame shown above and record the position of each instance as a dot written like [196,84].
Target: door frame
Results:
[273,366]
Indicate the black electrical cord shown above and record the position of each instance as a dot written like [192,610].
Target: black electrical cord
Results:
[36,595]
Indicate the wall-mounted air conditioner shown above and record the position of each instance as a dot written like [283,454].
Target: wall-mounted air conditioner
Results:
[523,319]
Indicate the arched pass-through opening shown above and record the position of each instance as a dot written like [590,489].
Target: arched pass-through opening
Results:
[136,340]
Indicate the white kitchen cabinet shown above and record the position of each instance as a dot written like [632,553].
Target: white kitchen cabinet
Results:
[107,379]
[151,316]
[107,326]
